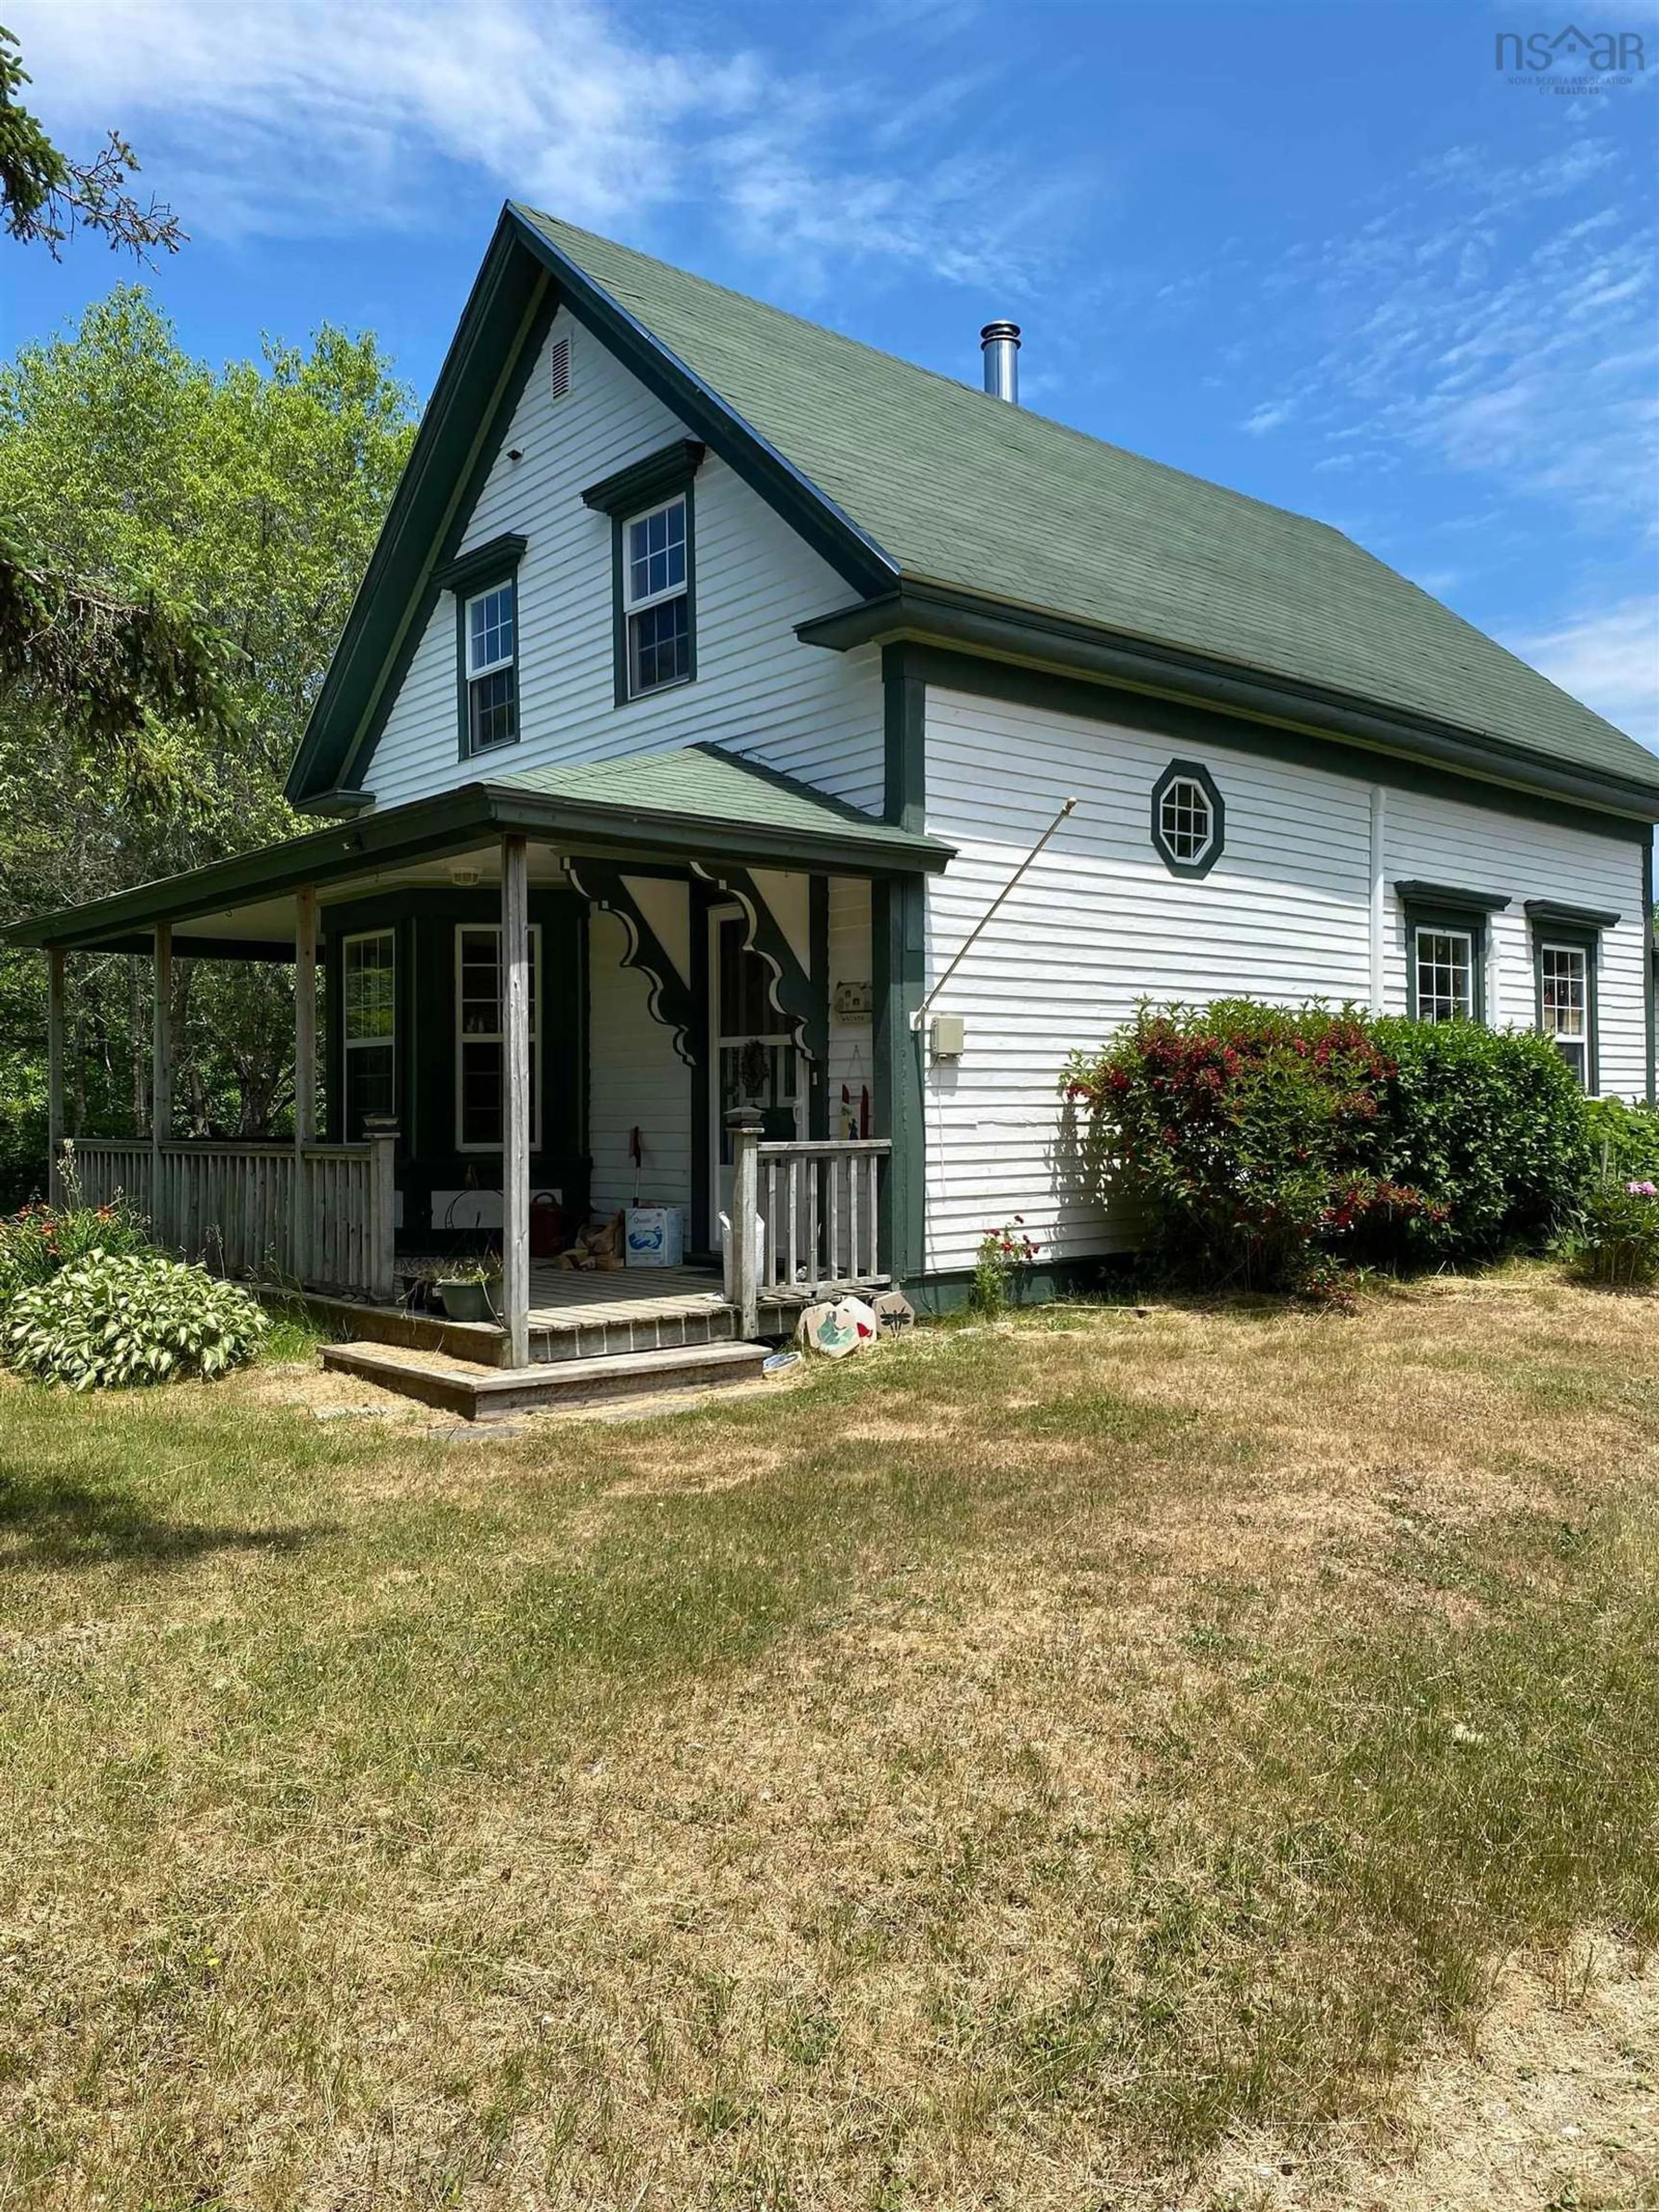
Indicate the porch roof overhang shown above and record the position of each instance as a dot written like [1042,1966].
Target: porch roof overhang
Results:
[664,809]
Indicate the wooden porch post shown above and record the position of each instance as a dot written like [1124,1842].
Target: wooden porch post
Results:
[305,1072]
[381,1130]
[161,1082]
[516,1101]
[744,1123]
[55,959]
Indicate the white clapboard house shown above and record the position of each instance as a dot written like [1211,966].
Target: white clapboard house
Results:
[712,676]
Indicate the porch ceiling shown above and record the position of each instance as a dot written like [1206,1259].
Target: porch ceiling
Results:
[696,804]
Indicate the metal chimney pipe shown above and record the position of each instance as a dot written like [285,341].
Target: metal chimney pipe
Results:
[999,344]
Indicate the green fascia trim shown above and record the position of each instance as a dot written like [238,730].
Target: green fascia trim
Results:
[818,1040]
[1552,913]
[904,703]
[1189,771]
[488,360]
[424,827]
[647,483]
[898,922]
[340,802]
[668,993]
[453,821]
[1449,898]
[791,494]
[930,614]
[482,565]
[1199,727]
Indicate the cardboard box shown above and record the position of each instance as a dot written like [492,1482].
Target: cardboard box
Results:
[654,1236]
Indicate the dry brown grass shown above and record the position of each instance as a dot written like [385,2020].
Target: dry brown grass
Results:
[1100,1766]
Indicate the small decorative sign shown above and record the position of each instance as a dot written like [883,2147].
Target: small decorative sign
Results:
[853,1002]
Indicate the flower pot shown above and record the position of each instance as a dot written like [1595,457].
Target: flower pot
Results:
[471,1301]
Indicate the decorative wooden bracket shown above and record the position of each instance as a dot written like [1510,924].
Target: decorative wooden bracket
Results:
[802,1001]
[669,998]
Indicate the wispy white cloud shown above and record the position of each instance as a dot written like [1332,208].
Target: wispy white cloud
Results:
[1610,661]
[318,116]
[1268,416]
[1488,316]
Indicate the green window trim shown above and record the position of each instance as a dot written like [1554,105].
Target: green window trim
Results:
[1444,910]
[490,567]
[381,1036]
[626,496]
[625,694]
[648,483]
[494,1038]
[1571,929]
[1193,773]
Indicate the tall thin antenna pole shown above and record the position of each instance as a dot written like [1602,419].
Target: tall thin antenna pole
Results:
[979,927]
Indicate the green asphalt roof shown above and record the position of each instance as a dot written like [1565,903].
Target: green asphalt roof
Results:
[960,490]
[699,783]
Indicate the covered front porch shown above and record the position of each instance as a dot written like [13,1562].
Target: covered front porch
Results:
[677,983]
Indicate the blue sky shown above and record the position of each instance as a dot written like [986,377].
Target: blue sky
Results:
[1328,254]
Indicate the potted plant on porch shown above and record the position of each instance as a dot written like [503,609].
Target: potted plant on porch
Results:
[472,1294]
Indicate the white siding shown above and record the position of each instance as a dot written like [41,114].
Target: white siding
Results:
[1100,922]
[815,714]
[851,1061]
[1436,841]
[635,1079]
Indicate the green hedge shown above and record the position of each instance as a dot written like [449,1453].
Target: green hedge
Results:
[1490,1127]
[1265,1145]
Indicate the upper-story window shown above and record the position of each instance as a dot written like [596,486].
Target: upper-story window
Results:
[656,597]
[492,704]
[654,536]
[485,583]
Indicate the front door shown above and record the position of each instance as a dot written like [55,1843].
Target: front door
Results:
[752,1060]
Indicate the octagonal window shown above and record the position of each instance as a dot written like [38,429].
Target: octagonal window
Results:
[1188,819]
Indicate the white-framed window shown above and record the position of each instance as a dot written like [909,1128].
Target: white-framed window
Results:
[492,695]
[656,597]
[1445,974]
[1186,820]
[368,1026]
[1564,998]
[480,1044]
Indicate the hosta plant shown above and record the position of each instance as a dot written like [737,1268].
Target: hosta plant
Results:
[115,1319]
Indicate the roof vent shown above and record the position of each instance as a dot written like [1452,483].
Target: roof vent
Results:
[558,367]
[999,344]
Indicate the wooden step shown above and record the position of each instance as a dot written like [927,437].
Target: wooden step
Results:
[481,1394]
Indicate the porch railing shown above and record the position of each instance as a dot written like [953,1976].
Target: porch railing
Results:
[234,1208]
[804,1217]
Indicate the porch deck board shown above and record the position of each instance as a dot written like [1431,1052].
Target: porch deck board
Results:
[562,1296]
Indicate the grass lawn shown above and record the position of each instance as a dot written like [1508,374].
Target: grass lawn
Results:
[1201,1760]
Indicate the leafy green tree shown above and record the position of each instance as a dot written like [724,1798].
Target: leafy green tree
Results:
[250,495]
[103,661]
